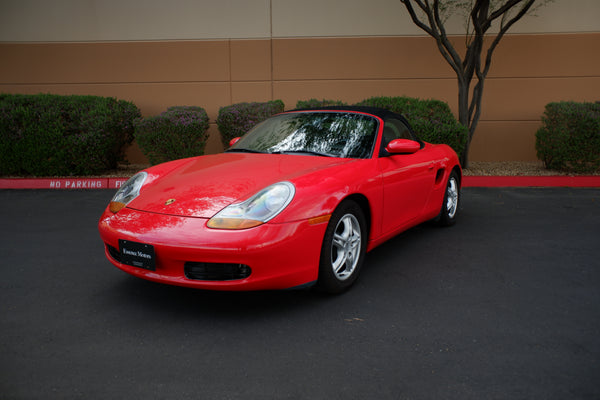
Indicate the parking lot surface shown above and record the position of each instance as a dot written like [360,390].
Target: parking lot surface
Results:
[504,305]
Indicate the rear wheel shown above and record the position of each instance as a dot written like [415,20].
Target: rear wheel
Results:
[451,201]
[344,248]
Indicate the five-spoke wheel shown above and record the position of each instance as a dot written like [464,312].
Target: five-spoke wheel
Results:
[345,251]
[344,248]
[451,200]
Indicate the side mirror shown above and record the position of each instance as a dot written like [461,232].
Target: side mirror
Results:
[234,141]
[403,146]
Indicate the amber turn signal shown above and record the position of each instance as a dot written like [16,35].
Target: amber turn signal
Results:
[116,206]
[319,220]
[233,223]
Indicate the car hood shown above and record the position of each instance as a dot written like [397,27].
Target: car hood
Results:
[202,186]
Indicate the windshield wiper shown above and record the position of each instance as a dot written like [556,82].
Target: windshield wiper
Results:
[314,153]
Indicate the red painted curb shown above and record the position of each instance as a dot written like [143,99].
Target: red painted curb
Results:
[468,181]
[531,181]
[62,183]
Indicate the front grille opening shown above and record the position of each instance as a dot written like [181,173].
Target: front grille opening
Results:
[114,253]
[201,271]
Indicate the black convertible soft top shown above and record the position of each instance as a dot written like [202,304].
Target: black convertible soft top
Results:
[378,112]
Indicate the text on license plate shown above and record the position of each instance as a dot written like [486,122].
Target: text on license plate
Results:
[136,254]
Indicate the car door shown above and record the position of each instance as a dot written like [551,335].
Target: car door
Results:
[407,179]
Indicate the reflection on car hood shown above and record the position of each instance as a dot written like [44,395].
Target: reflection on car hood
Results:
[204,185]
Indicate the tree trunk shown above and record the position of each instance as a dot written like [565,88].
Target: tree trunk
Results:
[463,117]
[481,15]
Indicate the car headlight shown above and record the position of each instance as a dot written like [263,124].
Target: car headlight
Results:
[257,210]
[129,191]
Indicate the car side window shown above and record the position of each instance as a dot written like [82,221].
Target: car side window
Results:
[394,129]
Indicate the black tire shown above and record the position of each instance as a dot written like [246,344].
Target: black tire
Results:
[451,202]
[344,248]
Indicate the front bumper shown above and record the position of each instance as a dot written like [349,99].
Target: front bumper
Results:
[280,256]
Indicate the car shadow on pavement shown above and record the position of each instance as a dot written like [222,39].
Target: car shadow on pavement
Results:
[385,268]
[189,302]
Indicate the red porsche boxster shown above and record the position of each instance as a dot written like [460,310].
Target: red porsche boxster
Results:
[298,201]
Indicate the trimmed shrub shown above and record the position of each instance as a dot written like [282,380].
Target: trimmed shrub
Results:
[237,119]
[314,103]
[569,139]
[52,135]
[432,120]
[179,132]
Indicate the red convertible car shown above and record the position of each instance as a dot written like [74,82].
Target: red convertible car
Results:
[298,201]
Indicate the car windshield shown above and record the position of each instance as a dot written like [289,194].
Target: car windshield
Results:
[333,134]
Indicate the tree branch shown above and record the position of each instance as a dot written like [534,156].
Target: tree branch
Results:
[482,25]
[415,17]
[456,61]
[433,29]
[429,16]
[503,30]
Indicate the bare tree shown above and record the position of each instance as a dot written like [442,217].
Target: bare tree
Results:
[480,15]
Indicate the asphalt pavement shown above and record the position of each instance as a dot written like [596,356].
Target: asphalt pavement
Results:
[504,305]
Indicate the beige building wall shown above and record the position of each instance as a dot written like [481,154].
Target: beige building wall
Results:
[215,53]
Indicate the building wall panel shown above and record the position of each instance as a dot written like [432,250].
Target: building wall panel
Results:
[251,60]
[547,55]
[357,58]
[148,20]
[504,141]
[528,72]
[524,99]
[114,62]
[352,91]
[242,92]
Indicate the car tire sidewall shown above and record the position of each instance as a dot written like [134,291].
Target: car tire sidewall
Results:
[328,282]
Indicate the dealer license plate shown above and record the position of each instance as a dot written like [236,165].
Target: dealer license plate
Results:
[136,254]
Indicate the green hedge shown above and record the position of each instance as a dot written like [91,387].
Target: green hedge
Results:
[432,120]
[179,132]
[51,135]
[569,139]
[237,119]
[314,103]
